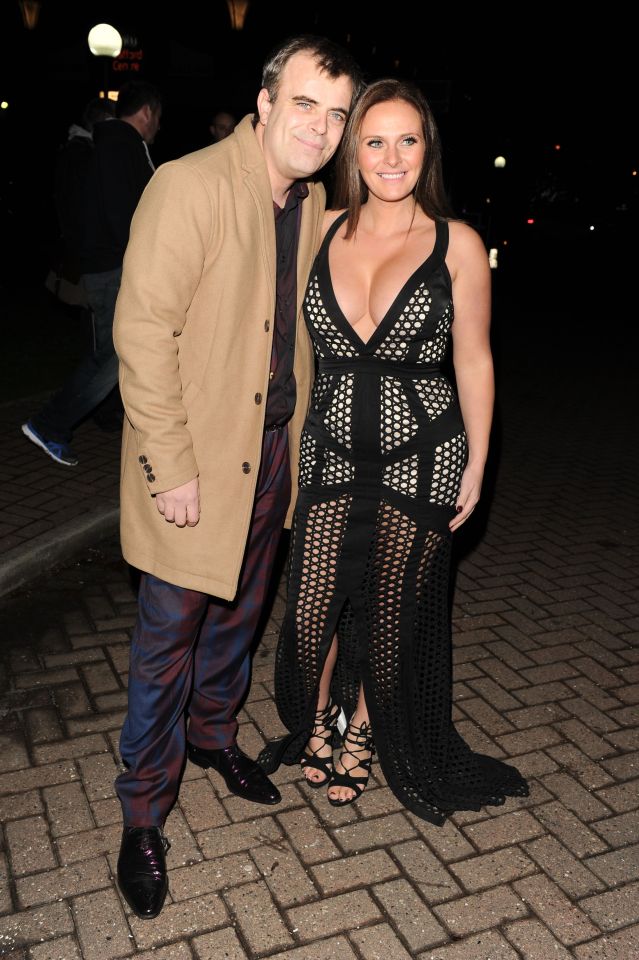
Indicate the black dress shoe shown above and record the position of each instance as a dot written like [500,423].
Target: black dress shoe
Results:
[242,776]
[142,870]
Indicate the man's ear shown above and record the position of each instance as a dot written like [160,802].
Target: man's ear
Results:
[264,105]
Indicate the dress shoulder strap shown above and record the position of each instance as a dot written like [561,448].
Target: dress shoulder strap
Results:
[441,238]
[330,233]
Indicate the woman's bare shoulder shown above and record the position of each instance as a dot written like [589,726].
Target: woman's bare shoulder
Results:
[330,216]
[463,237]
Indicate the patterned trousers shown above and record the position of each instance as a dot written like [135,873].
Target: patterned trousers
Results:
[190,655]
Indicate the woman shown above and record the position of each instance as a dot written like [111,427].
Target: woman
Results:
[391,465]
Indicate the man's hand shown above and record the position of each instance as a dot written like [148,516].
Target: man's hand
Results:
[181,505]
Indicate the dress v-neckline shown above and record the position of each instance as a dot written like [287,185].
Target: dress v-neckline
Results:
[390,314]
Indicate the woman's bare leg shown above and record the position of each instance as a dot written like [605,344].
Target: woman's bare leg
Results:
[347,762]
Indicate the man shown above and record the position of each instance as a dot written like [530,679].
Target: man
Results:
[221,126]
[120,169]
[215,375]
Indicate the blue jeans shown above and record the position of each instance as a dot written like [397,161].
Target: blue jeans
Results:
[96,375]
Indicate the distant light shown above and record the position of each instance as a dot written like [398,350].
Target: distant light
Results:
[492,258]
[237,13]
[505,243]
[500,162]
[487,199]
[634,173]
[591,227]
[4,105]
[104,41]
[557,146]
[530,220]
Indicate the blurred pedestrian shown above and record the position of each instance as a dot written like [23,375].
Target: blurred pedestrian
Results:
[221,126]
[120,168]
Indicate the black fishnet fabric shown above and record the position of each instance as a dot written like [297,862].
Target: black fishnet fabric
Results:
[382,457]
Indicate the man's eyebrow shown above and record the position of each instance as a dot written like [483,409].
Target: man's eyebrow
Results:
[297,99]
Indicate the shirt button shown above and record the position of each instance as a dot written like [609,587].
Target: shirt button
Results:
[246,467]
[258,398]
[267,325]
[271,375]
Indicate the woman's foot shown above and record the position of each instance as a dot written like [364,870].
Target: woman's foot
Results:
[317,761]
[354,765]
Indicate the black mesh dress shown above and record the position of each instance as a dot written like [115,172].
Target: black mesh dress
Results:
[382,455]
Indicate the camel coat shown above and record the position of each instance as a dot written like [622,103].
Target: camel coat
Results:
[193,330]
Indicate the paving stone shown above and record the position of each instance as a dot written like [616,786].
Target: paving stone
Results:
[535,764]
[35,925]
[616,946]
[98,775]
[200,806]
[615,908]
[332,915]
[258,918]
[72,700]
[376,803]
[379,943]
[430,877]
[90,843]
[619,830]
[569,924]
[106,812]
[20,805]
[336,876]
[184,919]
[239,809]
[374,833]
[63,882]
[29,845]
[307,836]
[176,951]
[45,679]
[569,829]
[589,773]
[36,777]
[210,876]
[68,749]
[575,797]
[622,797]
[184,849]
[482,946]
[101,926]
[65,948]
[481,911]
[619,866]
[447,841]
[67,809]
[336,948]
[6,905]
[413,920]
[535,942]
[492,869]
[562,867]
[43,725]
[503,830]
[623,768]
[285,875]
[239,836]
[221,945]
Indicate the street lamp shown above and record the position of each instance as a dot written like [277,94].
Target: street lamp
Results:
[105,41]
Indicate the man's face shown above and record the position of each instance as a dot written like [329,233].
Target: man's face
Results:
[300,131]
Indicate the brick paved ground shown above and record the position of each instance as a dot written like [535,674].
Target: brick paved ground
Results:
[547,675]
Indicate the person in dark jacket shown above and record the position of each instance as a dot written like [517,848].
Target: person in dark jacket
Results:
[120,168]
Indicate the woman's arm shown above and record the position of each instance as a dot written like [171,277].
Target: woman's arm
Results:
[468,263]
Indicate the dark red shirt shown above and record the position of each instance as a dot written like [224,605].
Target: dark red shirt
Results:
[280,402]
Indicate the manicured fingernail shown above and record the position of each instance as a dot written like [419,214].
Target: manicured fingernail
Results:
[459,509]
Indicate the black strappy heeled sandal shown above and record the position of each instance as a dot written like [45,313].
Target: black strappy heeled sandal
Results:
[357,740]
[323,729]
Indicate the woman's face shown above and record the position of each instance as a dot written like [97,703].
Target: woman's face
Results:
[391,149]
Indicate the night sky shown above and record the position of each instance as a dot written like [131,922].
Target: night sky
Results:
[511,80]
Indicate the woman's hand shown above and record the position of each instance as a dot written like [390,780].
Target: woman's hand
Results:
[468,496]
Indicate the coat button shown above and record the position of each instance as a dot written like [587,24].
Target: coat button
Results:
[267,325]
[258,398]
[246,467]
[150,477]
[142,459]
[148,468]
